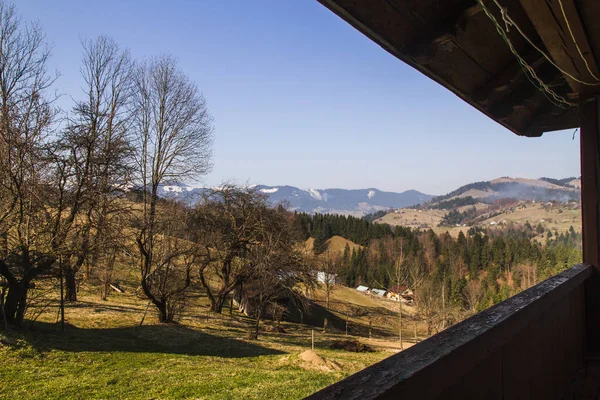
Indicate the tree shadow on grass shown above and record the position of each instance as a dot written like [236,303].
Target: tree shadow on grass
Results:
[169,339]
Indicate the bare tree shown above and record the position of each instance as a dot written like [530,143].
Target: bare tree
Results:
[398,277]
[528,275]
[279,271]
[173,138]
[26,117]
[473,293]
[329,266]
[174,256]
[228,224]
[429,305]
[96,155]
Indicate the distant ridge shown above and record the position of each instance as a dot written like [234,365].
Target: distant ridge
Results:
[357,202]
[360,202]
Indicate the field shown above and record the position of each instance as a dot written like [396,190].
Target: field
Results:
[559,217]
[104,353]
[413,218]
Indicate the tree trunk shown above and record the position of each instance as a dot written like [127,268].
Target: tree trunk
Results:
[163,314]
[70,285]
[216,304]
[257,326]
[14,306]
[104,288]
[254,333]
[161,304]
[400,326]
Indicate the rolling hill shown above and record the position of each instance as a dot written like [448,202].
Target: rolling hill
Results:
[552,203]
[543,189]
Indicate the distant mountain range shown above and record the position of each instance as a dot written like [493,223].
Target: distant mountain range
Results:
[357,202]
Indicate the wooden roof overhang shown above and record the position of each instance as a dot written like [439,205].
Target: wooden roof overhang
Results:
[457,44]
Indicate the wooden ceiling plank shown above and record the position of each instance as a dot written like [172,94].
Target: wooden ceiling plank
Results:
[581,37]
[543,16]
[423,46]
[509,74]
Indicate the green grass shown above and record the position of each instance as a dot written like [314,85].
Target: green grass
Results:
[103,353]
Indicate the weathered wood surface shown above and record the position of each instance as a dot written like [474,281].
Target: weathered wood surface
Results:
[590,213]
[585,385]
[526,347]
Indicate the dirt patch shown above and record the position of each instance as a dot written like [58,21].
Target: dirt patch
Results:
[310,360]
[351,345]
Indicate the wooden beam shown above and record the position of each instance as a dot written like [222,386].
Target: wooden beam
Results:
[550,24]
[590,218]
[424,46]
[581,37]
[522,90]
[549,118]
[511,73]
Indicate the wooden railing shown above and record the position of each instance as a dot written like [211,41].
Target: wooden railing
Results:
[526,347]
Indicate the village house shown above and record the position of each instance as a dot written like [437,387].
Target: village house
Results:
[378,292]
[324,277]
[363,289]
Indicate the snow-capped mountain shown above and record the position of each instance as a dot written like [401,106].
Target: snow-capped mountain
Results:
[356,202]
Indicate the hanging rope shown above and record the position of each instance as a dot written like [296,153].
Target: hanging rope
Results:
[529,72]
[507,18]
[562,9]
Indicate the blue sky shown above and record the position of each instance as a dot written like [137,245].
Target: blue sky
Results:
[301,98]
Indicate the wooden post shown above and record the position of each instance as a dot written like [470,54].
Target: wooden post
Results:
[62,300]
[346,324]
[145,312]
[415,332]
[590,216]
[590,184]
[400,325]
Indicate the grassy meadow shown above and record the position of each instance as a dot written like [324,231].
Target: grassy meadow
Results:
[105,353]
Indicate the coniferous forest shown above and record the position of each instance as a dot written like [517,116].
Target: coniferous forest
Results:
[464,274]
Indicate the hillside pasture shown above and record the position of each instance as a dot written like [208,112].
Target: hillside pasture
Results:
[105,353]
[413,218]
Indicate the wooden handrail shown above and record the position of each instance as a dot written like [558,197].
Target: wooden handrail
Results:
[427,369]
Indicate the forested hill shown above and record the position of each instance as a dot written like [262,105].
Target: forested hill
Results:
[322,227]
[468,273]
[543,189]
